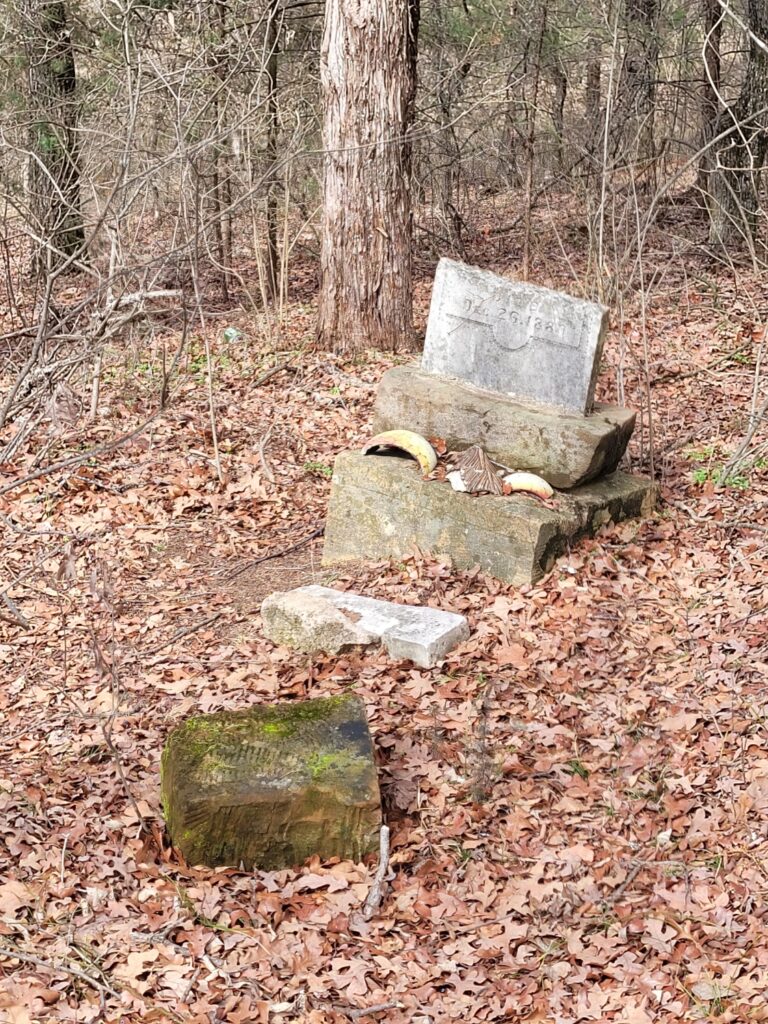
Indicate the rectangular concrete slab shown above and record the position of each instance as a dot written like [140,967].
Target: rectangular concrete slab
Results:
[566,449]
[382,507]
[523,341]
[424,635]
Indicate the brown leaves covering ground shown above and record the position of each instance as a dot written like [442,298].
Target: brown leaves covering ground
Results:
[578,797]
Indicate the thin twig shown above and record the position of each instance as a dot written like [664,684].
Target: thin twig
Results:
[264,464]
[181,633]
[276,554]
[27,958]
[368,1011]
[376,893]
[12,608]
[267,375]
[81,457]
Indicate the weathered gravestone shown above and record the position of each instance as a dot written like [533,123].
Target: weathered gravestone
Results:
[270,786]
[511,368]
[516,339]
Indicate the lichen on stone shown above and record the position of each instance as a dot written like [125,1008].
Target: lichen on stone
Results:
[271,785]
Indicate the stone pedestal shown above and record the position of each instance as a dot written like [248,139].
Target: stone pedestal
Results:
[381,507]
[271,786]
[567,449]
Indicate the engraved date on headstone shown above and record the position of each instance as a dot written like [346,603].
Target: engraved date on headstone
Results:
[517,339]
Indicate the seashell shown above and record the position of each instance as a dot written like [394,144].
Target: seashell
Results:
[413,444]
[478,473]
[527,482]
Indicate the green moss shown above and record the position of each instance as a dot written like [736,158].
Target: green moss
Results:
[298,757]
[322,767]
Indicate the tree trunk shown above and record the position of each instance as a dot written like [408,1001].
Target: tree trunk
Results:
[734,181]
[593,115]
[274,16]
[634,113]
[713,18]
[560,82]
[54,169]
[451,78]
[368,75]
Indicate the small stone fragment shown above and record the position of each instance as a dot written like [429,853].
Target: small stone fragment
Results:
[424,635]
[270,786]
[307,622]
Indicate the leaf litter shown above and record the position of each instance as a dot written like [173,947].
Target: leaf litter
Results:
[578,797]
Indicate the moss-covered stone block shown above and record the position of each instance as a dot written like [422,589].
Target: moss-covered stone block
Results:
[270,786]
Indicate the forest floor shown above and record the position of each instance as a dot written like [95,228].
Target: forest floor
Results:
[578,797]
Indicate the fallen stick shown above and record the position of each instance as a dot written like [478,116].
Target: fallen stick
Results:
[376,893]
[277,554]
[369,1010]
[27,958]
[181,633]
[15,613]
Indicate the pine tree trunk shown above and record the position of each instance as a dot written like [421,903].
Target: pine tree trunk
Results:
[734,181]
[54,169]
[368,74]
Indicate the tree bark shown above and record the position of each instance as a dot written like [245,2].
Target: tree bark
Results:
[634,114]
[274,16]
[593,115]
[712,22]
[54,166]
[560,82]
[734,180]
[368,75]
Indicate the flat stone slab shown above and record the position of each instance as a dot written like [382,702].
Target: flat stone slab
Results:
[566,449]
[316,618]
[273,785]
[526,342]
[381,507]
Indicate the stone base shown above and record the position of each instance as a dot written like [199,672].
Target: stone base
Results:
[381,507]
[565,448]
[271,786]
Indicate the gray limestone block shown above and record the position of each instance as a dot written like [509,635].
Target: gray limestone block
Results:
[315,618]
[309,623]
[526,342]
[566,449]
[382,507]
[424,635]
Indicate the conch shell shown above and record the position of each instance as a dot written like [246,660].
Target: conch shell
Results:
[529,483]
[415,445]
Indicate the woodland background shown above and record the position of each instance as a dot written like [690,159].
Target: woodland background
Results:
[579,797]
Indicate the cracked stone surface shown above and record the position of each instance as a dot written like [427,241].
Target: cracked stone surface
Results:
[315,618]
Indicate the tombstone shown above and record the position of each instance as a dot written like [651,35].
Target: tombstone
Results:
[512,368]
[270,786]
[514,339]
